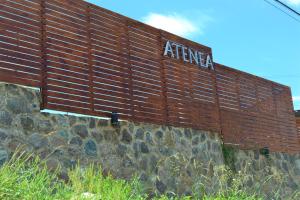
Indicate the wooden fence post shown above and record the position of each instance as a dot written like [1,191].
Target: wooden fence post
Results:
[90,61]
[214,77]
[164,81]
[127,29]
[43,82]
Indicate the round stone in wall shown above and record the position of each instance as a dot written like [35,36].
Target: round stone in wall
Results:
[149,138]
[17,105]
[144,148]
[178,133]
[3,135]
[90,148]
[131,127]
[63,133]
[72,120]
[97,136]
[92,123]
[2,100]
[80,130]
[159,134]
[27,123]
[38,141]
[121,150]
[5,118]
[127,162]
[28,94]
[76,141]
[108,135]
[203,137]
[187,133]
[126,137]
[139,134]
[195,150]
[195,140]
[45,126]
[12,89]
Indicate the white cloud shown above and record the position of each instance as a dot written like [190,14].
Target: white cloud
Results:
[177,24]
[296,98]
[294,2]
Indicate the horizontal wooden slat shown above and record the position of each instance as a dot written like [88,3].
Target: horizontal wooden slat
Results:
[64,98]
[23,22]
[19,40]
[19,78]
[22,5]
[20,61]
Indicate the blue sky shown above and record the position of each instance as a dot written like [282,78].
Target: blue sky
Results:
[251,36]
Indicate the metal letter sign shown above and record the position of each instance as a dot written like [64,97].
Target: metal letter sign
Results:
[187,54]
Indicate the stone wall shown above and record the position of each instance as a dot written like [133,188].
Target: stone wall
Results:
[280,171]
[151,152]
[165,159]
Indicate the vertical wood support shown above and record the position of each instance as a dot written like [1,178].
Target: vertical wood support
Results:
[238,92]
[191,99]
[237,88]
[90,60]
[275,101]
[256,94]
[164,81]
[275,114]
[257,112]
[217,100]
[43,39]
[129,65]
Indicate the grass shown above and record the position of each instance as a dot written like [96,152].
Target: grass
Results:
[26,177]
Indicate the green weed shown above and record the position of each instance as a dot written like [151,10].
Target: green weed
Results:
[25,177]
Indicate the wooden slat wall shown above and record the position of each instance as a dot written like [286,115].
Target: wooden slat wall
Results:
[89,60]
[147,77]
[67,50]
[111,72]
[20,44]
[298,126]
[255,112]
[190,91]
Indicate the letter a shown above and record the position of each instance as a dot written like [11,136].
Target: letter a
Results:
[209,63]
[168,49]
